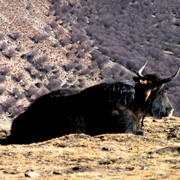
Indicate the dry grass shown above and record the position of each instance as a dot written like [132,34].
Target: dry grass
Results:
[110,156]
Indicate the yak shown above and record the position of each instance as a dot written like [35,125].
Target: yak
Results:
[117,107]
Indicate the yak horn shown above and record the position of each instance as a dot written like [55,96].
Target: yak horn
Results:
[170,78]
[139,73]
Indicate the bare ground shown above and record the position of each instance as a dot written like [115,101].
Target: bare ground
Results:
[110,156]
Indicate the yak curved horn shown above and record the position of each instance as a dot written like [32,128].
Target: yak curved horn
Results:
[139,73]
[170,78]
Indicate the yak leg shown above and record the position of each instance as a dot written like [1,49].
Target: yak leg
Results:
[126,122]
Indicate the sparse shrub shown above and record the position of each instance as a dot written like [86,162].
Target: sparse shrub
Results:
[3,46]
[1,36]
[75,72]
[47,29]
[9,53]
[17,48]
[70,80]
[2,78]
[93,65]
[29,69]
[57,34]
[14,36]
[59,31]
[41,59]
[68,67]
[95,54]
[86,46]
[31,92]
[84,72]
[82,83]
[106,73]
[8,103]
[18,77]
[64,8]
[54,84]
[34,73]
[39,37]
[15,110]
[81,54]
[45,68]
[2,89]
[55,72]
[53,24]
[3,72]
[70,53]
[43,91]
[29,6]
[65,40]
[77,35]
[51,76]
[29,56]
[105,50]
[17,94]
[40,75]
[64,86]
[78,67]
[1,109]
[55,45]
[38,84]
[101,61]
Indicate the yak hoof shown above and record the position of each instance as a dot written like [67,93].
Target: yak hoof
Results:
[140,133]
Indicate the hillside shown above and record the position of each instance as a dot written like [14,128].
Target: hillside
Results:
[51,44]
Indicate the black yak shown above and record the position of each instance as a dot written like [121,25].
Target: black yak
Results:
[117,107]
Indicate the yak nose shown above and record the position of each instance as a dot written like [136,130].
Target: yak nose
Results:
[171,112]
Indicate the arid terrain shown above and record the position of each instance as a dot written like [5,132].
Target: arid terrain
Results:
[50,44]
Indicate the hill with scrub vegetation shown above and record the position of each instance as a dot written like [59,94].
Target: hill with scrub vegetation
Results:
[51,44]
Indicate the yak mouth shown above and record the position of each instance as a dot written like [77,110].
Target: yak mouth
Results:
[147,94]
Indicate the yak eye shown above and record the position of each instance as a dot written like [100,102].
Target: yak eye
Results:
[143,81]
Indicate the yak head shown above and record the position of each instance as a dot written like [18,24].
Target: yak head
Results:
[152,91]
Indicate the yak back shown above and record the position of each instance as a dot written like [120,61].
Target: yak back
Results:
[108,95]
